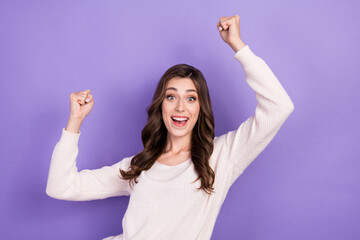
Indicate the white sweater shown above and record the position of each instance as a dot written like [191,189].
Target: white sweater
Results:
[164,204]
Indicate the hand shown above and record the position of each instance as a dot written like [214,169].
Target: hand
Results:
[229,28]
[81,104]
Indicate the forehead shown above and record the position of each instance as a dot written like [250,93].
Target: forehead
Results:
[181,84]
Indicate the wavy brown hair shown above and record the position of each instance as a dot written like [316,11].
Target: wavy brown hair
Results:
[154,134]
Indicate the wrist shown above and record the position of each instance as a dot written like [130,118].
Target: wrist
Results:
[74,125]
[237,46]
[77,118]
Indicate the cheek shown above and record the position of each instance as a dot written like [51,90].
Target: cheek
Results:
[164,109]
[196,110]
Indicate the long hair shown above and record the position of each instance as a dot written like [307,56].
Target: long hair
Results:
[154,134]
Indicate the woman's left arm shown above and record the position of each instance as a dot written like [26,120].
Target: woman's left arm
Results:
[274,105]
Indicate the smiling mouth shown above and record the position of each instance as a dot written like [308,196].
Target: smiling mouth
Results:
[179,122]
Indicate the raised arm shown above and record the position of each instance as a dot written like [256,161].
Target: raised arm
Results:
[64,180]
[274,106]
[66,183]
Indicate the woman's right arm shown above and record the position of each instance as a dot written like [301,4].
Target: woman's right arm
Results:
[64,181]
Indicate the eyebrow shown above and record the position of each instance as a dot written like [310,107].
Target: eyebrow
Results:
[188,90]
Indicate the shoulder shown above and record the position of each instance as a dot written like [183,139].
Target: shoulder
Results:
[220,140]
[218,157]
[124,163]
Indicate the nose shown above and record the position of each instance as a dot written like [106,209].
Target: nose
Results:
[180,106]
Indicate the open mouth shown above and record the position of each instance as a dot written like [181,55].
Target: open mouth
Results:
[179,121]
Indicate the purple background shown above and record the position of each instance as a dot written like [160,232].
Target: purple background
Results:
[304,185]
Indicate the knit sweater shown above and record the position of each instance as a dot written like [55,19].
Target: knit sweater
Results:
[165,203]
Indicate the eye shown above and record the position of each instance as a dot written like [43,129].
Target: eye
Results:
[192,99]
[170,97]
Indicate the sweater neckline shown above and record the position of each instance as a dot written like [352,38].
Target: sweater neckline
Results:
[162,173]
[162,165]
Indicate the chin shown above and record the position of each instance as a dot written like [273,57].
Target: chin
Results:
[179,133]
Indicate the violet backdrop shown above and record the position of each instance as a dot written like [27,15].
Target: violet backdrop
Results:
[304,185]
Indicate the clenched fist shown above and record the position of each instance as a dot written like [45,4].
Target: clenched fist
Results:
[81,104]
[229,28]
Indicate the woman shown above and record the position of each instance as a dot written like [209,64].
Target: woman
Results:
[178,183]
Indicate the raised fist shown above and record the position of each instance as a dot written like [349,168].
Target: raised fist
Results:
[229,28]
[81,104]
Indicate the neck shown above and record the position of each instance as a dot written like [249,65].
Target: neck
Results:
[176,145]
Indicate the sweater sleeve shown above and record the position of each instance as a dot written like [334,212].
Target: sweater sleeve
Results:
[274,106]
[66,183]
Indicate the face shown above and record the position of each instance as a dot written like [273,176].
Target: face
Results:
[180,107]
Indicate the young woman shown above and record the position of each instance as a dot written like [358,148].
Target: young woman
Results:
[179,181]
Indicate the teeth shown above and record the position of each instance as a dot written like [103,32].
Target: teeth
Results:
[180,119]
